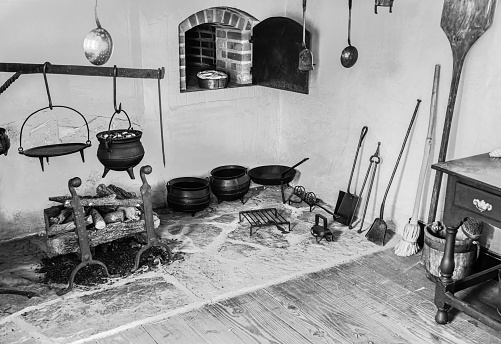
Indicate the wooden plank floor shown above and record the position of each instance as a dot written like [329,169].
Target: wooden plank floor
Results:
[380,298]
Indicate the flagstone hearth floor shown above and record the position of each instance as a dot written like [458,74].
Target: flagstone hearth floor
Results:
[221,260]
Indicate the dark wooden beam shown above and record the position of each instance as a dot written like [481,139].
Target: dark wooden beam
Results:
[27,68]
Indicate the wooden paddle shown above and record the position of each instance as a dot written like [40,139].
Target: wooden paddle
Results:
[463,22]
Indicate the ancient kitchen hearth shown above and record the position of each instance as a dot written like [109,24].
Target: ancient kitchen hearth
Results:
[249,51]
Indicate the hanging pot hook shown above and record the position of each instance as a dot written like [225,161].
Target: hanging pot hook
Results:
[46,83]
[115,72]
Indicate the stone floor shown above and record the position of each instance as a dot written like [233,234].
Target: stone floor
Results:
[221,260]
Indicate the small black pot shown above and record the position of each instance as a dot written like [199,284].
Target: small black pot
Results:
[229,183]
[188,194]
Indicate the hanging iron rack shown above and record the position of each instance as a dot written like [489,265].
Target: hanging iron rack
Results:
[27,68]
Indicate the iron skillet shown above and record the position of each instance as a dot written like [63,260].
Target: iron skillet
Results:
[273,174]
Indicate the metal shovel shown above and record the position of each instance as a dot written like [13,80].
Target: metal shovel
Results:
[377,232]
[347,202]
[305,56]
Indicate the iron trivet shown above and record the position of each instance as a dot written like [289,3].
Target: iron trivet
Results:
[264,217]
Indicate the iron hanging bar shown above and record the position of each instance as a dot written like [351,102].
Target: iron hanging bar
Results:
[161,119]
[115,73]
[27,68]
[46,83]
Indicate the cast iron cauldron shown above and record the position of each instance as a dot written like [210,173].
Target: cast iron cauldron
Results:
[229,182]
[188,194]
[120,149]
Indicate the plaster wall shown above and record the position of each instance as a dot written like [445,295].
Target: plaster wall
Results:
[249,126]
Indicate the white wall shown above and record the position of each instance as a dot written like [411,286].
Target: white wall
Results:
[249,126]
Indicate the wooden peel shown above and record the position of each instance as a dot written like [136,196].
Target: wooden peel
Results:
[463,22]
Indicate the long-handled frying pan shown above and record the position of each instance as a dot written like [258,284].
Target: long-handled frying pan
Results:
[463,22]
[273,174]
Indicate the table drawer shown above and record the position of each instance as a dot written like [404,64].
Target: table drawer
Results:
[482,203]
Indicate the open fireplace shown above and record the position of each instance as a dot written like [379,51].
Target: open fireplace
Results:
[250,51]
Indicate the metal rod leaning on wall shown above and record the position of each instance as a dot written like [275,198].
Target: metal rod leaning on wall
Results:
[27,68]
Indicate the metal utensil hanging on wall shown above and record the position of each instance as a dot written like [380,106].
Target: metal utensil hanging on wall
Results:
[305,56]
[98,45]
[349,56]
[53,150]
[383,3]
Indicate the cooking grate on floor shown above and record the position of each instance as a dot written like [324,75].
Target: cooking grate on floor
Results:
[264,217]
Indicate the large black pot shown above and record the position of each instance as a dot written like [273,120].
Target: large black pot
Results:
[121,149]
[188,194]
[229,183]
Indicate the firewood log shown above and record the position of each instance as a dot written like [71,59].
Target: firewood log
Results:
[121,193]
[68,242]
[60,228]
[110,200]
[98,220]
[131,213]
[115,216]
[103,191]
[62,216]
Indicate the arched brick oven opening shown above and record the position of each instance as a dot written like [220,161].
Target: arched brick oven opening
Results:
[216,38]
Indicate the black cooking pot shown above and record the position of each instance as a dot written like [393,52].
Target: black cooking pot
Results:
[274,174]
[188,194]
[121,149]
[229,183]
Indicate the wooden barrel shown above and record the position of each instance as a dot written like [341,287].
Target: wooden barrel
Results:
[465,255]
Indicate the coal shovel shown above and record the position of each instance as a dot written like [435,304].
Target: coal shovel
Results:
[305,56]
[377,232]
[463,22]
[346,204]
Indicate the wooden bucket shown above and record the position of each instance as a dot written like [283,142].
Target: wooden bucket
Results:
[465,255]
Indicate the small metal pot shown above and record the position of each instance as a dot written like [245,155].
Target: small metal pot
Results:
[120,149]
[229,182]
[188,194]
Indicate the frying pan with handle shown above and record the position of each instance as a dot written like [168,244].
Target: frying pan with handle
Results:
[273,174]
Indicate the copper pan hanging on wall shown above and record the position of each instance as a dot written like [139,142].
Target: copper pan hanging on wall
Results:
[53,150]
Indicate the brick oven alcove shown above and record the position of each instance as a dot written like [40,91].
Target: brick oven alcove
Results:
[251,52]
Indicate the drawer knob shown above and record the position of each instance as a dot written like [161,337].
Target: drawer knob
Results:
[482,205]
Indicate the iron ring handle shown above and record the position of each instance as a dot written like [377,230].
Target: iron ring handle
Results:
[88,142]
[117,112]
[365,129]
[318,217]
[482,205]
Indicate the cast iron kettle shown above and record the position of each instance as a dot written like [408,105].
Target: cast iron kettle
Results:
[349,55]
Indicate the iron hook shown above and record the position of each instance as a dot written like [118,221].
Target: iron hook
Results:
[115,73]
[46,83]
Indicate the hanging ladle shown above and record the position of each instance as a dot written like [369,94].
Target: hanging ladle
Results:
[98,45]
[305,56]
[349,56]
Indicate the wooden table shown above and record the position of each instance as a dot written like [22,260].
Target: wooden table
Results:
[473,190]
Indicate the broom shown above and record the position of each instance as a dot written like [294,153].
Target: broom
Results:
[408,245]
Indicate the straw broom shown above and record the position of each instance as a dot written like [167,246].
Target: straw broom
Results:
[408,245]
